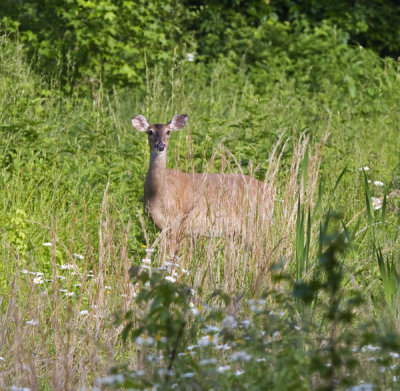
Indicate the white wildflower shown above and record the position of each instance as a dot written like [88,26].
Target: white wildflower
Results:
[230,322]
[187,375]
[256,304]
[67,266]
[208,329]
[245,323]
[47,244]
[32,322]
[185,271]
[38,280]
[366,168]
[110,380]
[145,267]
[24,271]
[153,358]
[165,372]
[167,266]
[378,183]
[196,310]
[208,361]
[170,279]
[223,369]
[280,313]
[84,312]
[190,56]
[376,203]
[240,356]
[161,338]
[136,374]
[239,372]
[146,261]
[144,340]
[394,354]
[361,387]
[370,348]
[208,340]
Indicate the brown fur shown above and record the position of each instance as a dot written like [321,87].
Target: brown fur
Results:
[188,204]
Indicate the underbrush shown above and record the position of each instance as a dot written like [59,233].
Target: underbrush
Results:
[89,297]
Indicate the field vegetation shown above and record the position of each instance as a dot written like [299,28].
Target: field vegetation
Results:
[89,297]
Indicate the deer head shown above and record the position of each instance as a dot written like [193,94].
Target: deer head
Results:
[159,133]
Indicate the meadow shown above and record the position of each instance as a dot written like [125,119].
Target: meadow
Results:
[89,297]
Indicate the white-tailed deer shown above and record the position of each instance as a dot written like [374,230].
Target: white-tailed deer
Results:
[191,204]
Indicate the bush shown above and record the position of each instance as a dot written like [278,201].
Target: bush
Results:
[109,40]
[114,42]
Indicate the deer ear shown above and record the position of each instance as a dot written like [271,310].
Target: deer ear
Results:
[178,122]
[140,123]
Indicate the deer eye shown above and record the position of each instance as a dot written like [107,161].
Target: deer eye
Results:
[150,132]
[168,131]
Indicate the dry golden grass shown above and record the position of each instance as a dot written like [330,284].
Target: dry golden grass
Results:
[59,334]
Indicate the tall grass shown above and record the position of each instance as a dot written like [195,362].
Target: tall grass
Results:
[242,262]
[72,174]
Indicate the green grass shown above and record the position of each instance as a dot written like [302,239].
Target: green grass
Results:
[72,174]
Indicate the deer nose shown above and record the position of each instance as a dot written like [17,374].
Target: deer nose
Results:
[160,146]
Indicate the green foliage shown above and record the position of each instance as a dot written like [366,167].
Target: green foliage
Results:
[166,320]
[272,342]
[372,24]
[72,174]
[303,239]
[111,41]
[389,276]
[335,354]
[187,346]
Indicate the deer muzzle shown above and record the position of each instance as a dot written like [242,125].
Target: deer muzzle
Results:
[160,147]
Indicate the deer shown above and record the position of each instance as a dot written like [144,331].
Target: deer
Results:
[196,204]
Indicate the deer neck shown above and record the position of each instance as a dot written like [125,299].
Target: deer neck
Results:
[156,175]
